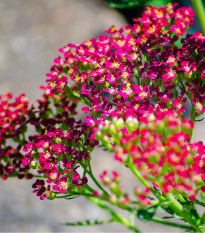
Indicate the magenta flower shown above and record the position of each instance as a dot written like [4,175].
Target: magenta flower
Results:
[61,185]
[79,182]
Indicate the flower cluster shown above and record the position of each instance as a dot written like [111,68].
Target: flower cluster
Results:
[57,154]
[46,151]
[13,124]
[15,119]
[12,115]
[159,148]
[117,192]
[137,69]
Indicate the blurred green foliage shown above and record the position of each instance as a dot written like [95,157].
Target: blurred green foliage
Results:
[122,4]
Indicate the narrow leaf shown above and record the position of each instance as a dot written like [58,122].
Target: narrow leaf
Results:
[87,222]
[146,214]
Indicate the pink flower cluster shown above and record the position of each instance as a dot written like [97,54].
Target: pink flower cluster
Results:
[137,69]
[117,192]
[58,154]
[160,149]
[13,123]
[12,115]
[60,146]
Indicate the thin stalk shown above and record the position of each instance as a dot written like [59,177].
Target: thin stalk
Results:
[174,204]
[133,213]
[183,201]
[116,216]
[132,218]
[202,196]
[178,208]
[95,181]
[200,13]
[200,203]
[158,220]
[77,194]
[87,187]
[143,181]
[16,174]
[182,85]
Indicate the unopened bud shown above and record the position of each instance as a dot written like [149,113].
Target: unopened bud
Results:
[118,123]
[34,165]
[98,135]
[131,124]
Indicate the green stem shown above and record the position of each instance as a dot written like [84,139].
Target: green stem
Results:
[200,203]
[15,174]
[200,13]
[182,87]
[87,187]
[202,196]
[76,194]
[133,212]
[116,216]
[95,181]
[158,220]
[174,204]
[143,181]
[179,210]
[76,95]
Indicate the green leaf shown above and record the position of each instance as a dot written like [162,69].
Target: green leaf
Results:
[87,222]
[191,208]
[146,214]
[199,119]
[168,217]
[69,198]
[203,219]
[168,210]
[157,190]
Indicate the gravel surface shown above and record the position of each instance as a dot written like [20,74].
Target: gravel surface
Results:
[31,33]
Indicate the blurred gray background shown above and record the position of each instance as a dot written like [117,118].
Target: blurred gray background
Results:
[31,31]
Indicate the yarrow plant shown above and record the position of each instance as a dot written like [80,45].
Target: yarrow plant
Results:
[133,83]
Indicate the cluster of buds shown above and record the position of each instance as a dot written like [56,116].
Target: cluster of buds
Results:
[159,147]
[117,193]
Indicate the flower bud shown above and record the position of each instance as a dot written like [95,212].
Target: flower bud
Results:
[98,135]
[131,124]
[113,198]
[114,188]
[58,140]
[52,196]
[118,123]
[112,129]
[34,165]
